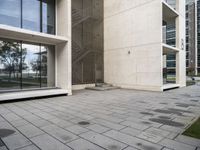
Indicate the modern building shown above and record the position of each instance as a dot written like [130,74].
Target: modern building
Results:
[198,35]
[192,37]
[134,49]
[58,45]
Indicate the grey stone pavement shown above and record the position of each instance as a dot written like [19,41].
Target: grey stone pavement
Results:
[118,120]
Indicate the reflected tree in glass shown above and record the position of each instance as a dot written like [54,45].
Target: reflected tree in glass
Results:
[12,57]
[31,75]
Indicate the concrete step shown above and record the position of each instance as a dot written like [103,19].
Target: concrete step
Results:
[102,87]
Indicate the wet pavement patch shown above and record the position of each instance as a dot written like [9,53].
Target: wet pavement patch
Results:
[163,111]
[145,147]
[167,122]
[179,110]
[186,95]
[174,98]
[184,105]
[6,132]
[164,117]
[164,103]
[194,100]
[142,102]
[146,113]
[146,122]
[83,123]
[113,147]
[139,144]
[148,147]
[66,138]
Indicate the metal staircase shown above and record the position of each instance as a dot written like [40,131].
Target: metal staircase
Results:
[80,15]
[79,52]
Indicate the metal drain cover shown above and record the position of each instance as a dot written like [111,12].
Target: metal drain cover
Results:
[83,123]
[6,132]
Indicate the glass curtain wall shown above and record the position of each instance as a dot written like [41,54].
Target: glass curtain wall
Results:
[31,15]
[48,16]
[87,41]
[169,68]
[35,15]
[10,62]
[31,66]
[198,35]
[10,12]
[25,65]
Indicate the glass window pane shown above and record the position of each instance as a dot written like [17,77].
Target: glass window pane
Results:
[48,16]
[10,60]
[43,66]
[31,15]
[31,66]
[10,11]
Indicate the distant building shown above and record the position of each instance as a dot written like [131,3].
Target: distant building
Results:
[193,37]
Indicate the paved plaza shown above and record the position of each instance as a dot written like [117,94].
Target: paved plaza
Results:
[98,120]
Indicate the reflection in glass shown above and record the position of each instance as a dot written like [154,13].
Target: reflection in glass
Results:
[10,62]
[48,16]
[169,68]
[10,12]
[43,66]
[31,15]
[31,66]
[26,66]
[35,15]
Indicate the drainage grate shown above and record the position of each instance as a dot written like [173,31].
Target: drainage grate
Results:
[6,132]
[83,123]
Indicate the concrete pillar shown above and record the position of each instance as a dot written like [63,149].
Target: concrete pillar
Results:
[63,50]
[180,44]
[50,66]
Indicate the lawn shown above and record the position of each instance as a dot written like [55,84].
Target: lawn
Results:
[193,130]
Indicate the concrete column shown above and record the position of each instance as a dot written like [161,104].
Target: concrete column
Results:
[180,44]
[63,50]
[51,66]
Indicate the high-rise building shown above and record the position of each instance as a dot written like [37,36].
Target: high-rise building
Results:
[58,45]
[192,37]
[198,35]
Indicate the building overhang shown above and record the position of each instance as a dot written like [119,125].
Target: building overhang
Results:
[169,12]
[30,36]
[169,49]
[170,86]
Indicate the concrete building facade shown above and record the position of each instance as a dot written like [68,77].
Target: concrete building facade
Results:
[134,51]
[62,43]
